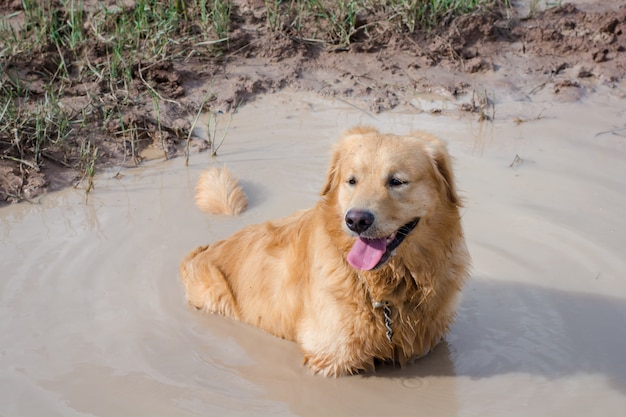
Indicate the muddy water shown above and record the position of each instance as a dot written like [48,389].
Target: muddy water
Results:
[93,320]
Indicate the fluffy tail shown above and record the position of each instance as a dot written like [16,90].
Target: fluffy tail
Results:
[218,192]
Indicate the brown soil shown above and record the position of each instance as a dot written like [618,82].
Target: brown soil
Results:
[562,49]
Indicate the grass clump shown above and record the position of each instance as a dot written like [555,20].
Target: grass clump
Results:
[32,127]
[343,22]
[50,51]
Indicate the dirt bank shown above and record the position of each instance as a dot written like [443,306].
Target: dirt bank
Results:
[566,52]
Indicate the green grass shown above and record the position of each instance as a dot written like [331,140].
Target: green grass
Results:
[340,22]
[32,127]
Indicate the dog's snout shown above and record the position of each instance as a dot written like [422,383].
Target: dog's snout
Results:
[359,220]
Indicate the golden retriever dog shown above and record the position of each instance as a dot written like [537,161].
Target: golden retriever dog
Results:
[370,274]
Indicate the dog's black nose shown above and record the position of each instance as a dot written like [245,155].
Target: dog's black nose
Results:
[359,220]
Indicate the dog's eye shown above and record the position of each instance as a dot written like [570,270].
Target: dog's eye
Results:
[395,182]
[351,181]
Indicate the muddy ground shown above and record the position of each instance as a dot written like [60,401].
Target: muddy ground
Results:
[566,51]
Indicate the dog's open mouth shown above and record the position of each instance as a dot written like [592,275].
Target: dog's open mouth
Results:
[367,254]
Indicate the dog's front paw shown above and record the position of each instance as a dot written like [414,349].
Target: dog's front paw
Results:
[334,366]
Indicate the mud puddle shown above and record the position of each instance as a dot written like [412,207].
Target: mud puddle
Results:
[92,312]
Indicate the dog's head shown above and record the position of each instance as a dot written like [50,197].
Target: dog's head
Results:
[386,188]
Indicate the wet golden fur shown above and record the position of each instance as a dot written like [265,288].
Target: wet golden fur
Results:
[290,276]
[217,192]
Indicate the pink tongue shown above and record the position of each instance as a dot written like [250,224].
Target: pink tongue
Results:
[366,253]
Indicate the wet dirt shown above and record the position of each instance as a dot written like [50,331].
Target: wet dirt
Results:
[565,52]
[92,313]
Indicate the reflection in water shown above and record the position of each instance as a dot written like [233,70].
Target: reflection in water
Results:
[93,319]
[483,134]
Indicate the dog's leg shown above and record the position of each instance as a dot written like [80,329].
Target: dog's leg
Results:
[207,288]
[331,364]
[332,348]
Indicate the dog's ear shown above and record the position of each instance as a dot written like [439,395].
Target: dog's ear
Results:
[331,176]
[443,167]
